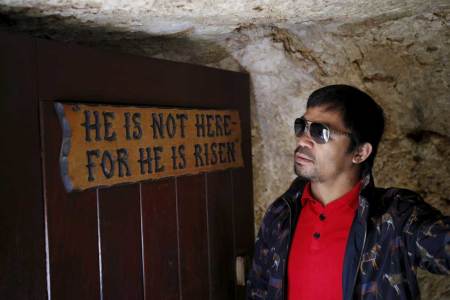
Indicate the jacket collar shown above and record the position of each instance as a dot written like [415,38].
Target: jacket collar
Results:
[295,190]
[366,193]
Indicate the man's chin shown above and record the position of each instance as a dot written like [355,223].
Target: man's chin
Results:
[301,172]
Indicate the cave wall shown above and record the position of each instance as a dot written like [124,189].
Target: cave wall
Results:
[402,60]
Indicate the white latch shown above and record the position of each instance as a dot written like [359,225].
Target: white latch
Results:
[240,270]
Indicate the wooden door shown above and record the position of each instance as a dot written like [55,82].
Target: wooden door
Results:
[173,238]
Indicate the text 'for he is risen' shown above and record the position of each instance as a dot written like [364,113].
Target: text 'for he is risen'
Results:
[106,145]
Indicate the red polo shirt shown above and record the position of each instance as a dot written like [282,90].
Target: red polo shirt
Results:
[317,253]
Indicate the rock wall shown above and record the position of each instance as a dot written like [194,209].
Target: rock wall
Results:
[402,60]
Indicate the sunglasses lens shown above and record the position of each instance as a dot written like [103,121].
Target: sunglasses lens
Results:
[299,127]
[319,132]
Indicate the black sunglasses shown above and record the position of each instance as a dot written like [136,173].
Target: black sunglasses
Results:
[320,133]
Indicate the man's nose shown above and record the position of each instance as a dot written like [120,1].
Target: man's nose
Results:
[305,140]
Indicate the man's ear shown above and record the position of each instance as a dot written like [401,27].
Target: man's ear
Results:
[361,153]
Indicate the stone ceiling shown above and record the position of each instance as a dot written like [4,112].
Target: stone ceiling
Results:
[210,17]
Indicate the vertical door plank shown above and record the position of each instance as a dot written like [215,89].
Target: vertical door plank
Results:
[72,224]
[243,210]
[120,234]
[159,226]
[22,247]
[220,232]
[243,219]
[191,200]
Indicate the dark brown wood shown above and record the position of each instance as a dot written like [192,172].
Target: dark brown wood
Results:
[243,220]
[143,252]
[77,73]
[22,248]
[243,215]
[159,225]
[243,212]
[193,237]
[120,236]
[72,224]
[128,81]
[221,235]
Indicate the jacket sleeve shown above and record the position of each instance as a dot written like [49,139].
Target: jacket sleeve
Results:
[428,237]
[257,279]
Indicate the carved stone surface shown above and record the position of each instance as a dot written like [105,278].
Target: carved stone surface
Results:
[206,17]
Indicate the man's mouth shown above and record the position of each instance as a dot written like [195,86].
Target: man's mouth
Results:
[301,158]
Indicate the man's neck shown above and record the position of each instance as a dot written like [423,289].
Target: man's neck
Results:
[326,192]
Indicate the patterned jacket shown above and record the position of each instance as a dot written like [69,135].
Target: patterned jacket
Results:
[393,233]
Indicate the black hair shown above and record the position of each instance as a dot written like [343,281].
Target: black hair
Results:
[362,116]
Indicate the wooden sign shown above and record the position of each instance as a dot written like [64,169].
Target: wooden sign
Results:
[105,145]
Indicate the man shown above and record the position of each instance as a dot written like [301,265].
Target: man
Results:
[333,235]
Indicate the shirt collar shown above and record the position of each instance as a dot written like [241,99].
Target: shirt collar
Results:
[350,198]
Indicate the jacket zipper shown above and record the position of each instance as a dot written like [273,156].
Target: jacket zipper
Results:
[359,262]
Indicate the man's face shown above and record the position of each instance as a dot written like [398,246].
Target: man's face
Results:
[324,162]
